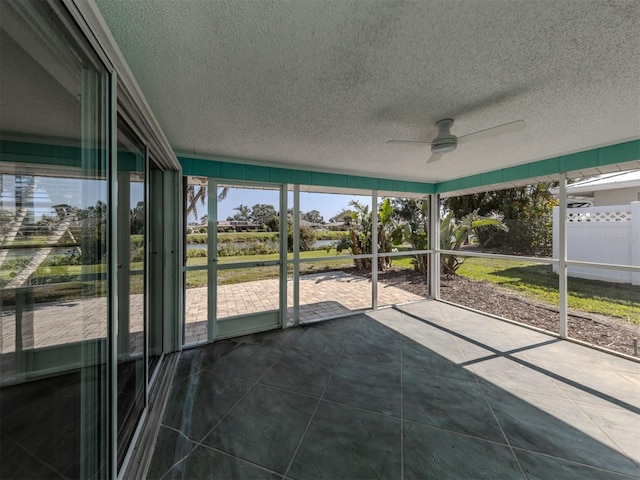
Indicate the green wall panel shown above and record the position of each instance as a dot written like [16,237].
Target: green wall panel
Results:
[355,182]
[223,169]
[300,177]
[341,181]
[64,156]
[232,169]
[620,153]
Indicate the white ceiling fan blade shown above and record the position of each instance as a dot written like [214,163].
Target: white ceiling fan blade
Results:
[435,157]
[512,127]
[408,141]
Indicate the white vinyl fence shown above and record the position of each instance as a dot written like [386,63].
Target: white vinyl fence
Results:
[602,235]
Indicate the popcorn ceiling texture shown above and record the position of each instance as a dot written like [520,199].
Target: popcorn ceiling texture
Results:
[322,85]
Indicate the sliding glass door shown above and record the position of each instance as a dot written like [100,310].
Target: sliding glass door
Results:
[132,252]
[55,267]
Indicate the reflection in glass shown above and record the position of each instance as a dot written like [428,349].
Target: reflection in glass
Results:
[156,234]
[131,251]
[54,210]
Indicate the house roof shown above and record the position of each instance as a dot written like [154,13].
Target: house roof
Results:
[323,85]
[611,181]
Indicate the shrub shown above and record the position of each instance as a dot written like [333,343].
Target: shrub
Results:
[196,252]
[307,239]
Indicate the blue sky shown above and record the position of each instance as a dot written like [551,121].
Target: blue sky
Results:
[84,192]
[327,204]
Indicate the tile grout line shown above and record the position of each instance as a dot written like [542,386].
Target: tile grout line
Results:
[476,379]
[200,443]
[227,454]
[493,413]
[594,467]
[304,434]
[495,417]
[566,396]
[596,424]
[36,458]
[504,434]
[563,395]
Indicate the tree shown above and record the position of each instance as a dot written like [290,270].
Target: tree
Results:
[198,193]
[136,219]
[24,192]
[67,216]
[454,233]
[415,215]
[526,211]
[46,224]
[344,216]
[94,233]
[244,212]
[195,194]
[313,216]
[265,215]
[204,220]
[359,240]
[307,238]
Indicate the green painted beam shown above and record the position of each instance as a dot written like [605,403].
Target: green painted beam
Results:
[64,156]
[228,169]
[24,152]
[233,169]
[597,157]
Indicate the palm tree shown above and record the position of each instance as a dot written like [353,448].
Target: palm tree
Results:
[67,215]
[453,234]
[193,196]
[23,195]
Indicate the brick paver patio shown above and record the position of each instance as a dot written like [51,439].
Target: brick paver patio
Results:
[322,295]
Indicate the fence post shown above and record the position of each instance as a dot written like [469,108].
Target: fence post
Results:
[634,238]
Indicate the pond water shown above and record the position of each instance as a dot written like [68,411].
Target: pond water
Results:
[28,252]
[203,246]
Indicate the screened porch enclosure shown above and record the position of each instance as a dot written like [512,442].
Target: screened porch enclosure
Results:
[225,250]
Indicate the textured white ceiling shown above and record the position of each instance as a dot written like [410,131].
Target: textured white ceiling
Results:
[322,85]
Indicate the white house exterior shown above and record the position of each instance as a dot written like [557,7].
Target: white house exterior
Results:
[610,189]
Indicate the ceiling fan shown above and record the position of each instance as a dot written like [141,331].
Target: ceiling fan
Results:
[446,142]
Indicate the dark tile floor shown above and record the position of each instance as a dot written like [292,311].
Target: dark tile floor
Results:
[423,391]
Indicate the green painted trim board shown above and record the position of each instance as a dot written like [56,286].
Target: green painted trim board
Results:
[597,157]
[236,170]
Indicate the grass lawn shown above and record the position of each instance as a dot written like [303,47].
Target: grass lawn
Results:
[538,282]
[198,278]
[235,237]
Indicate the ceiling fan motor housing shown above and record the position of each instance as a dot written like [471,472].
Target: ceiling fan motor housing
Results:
[445,141]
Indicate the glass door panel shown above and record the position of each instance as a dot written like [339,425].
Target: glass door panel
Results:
[54,263]
[248,251]
[156,265]
[196,260]
[131,251]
